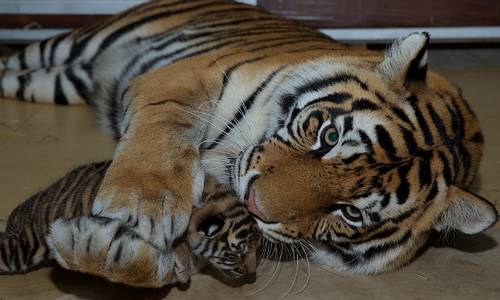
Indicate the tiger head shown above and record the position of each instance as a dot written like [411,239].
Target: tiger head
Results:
[369,158]
[223,234]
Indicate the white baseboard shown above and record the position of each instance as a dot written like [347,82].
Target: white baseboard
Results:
[364,35]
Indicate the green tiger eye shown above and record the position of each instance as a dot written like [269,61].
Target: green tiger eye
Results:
[333,135]
[330,136]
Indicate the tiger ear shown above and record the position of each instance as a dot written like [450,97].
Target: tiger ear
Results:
[406,60]
[467,212]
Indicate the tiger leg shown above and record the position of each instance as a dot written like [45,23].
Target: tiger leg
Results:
[156,176]
[65,85]
[106,248]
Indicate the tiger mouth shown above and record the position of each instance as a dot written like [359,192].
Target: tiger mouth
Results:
[252,206]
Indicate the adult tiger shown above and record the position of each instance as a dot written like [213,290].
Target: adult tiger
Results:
[362,155]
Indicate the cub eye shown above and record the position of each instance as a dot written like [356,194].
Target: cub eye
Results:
[211,226]
[352,213]
[330,136]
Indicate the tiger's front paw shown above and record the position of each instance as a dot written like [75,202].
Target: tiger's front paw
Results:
[105,248]
[155,208]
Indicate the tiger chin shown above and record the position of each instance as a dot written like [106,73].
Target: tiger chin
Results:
[369,160]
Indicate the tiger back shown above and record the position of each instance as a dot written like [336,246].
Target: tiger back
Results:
[221,234]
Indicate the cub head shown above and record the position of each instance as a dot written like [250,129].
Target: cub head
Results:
[223,232]
[370,156]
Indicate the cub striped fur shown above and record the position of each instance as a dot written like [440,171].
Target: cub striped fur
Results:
[221,233]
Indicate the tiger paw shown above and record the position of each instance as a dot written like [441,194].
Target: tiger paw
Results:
[147,205]
[105,248]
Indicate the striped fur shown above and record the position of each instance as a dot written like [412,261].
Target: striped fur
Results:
[221,233]
[215,87]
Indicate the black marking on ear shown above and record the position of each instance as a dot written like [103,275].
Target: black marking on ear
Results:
[416,71]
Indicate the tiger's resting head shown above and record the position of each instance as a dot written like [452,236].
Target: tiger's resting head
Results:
[369,158]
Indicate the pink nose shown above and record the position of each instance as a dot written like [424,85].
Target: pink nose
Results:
[252,206]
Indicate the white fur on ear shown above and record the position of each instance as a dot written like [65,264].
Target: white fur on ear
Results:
[467,213]
[406,59]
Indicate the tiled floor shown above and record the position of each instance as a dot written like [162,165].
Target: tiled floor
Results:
[40,143]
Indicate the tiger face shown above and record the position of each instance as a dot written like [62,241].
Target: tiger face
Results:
[368,159]
[223,233]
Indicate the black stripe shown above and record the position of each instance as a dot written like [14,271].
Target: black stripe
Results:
[22,60]
[429,140]
[365,139]
[425,172]
[363,104]
[149,19]
[383,234]
[351,158]
[53,47]
[385,141]
[244,107]
[80,87]
[325,82]
[386,200]
[347,258]
[227,74]
[372,251]
[439,124]
[403,189]
[477,138]
[118,253]
[59,97]
[348,125]
[410,142]
[22,86]
[433,192]
[446,167]
[41,47]
[402,115]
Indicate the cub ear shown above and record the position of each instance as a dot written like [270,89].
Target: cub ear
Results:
[467,212]
[406,60]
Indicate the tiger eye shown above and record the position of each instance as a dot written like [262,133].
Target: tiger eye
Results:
[353,212]
[331,136]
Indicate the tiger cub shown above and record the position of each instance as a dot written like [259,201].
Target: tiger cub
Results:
[221,233]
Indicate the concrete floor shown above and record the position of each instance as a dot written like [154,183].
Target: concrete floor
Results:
[41,143]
